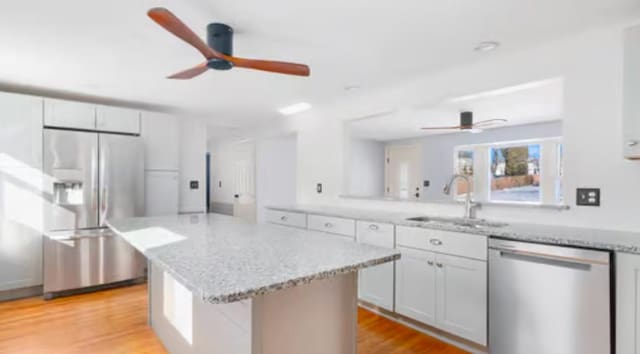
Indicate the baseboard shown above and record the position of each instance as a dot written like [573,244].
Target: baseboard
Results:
[15,294]
[461,343]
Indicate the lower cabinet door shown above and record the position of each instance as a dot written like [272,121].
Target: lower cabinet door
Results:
[416,285]
[375,284]
[627,303]
[462,297]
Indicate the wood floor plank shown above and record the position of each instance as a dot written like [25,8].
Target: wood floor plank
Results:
[115,322]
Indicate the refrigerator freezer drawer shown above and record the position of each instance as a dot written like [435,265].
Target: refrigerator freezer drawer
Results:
[85,258]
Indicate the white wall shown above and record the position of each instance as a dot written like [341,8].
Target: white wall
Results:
[193,149]
[591,64]
[437,150]
[366,168]
[275,173]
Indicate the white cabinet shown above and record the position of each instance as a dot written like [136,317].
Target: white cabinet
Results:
[627,303]
[375,284]
[161,135]
[21,197]
[161,193]
[118,120]
[333,225]
[461,308]
[69,114]
[20,131]
[631,107]
[416,285]
[438,282]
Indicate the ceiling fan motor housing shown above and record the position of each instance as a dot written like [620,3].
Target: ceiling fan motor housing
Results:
[220,38]
[466,120]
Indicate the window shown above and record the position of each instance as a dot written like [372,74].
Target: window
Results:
[515,173]
[526,171]
[464,166]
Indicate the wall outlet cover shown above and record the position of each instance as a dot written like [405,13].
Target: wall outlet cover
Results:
[194,184]
[426,183]
[588,196]
[319,188]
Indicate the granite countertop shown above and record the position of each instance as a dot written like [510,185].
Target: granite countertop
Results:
[620,241]
[223,259]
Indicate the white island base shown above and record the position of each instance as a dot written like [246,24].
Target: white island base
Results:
[316,318]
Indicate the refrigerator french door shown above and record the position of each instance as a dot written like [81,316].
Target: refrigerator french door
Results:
[91,177]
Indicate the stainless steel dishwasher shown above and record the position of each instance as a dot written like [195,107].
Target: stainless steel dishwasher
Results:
[549,299]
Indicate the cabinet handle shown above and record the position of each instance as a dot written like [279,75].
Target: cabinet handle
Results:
[430,263]
[632,143]
[439,265]
[328,225]
[435,242]
[373,227]
[283,218]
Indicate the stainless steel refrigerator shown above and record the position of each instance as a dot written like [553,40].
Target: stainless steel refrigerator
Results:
[89,178]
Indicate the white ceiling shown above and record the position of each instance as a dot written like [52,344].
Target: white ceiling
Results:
[111,49]
[526,103]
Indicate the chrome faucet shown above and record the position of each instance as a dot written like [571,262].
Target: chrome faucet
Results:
[469,205]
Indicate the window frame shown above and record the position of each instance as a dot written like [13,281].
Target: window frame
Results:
[482,176]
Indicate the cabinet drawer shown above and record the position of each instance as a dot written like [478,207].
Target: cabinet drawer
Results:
[340,226]
[454,243]
[287,218]
[377,234]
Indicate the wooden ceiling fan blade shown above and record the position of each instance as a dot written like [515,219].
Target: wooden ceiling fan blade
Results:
[172,23]
[489,122]
[269,65]
[443,128]
[190,73]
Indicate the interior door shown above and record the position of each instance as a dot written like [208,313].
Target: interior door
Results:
[244,205]
[402,172]
[71,179]
[121,177]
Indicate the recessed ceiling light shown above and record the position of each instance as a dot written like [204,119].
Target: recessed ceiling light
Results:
[350,88]
[487,46]
[295,108]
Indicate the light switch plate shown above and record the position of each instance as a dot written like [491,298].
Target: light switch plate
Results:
[588,196]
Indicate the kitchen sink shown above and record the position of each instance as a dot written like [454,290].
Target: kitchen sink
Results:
[472,223]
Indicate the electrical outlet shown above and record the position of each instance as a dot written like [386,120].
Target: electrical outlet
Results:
[426,183]
[588,196]
[194,184]
[319,188]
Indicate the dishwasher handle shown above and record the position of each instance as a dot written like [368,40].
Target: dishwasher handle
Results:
[563,261]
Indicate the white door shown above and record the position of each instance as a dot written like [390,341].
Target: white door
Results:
[403,171]
[375,284]
[116,119]
[462,297]
[69,114]
[416,285]
[244,205]
[627,303]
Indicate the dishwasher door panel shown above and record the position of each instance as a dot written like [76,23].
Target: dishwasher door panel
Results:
[549,305]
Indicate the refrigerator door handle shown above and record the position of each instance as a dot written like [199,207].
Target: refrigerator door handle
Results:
[104,183]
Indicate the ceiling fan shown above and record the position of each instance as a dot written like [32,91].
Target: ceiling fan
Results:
[219,51]
[467,124]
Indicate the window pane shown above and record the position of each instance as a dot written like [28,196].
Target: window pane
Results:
[559,190]
[464,166]
[515,173]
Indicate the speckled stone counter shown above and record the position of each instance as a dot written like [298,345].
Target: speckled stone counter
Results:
[222,259]
[619,241]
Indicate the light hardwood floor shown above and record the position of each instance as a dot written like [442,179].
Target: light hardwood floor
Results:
[115,322]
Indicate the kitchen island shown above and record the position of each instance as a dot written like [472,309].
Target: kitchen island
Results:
[220,285]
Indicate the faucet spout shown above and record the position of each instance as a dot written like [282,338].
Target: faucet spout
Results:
[469,205]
